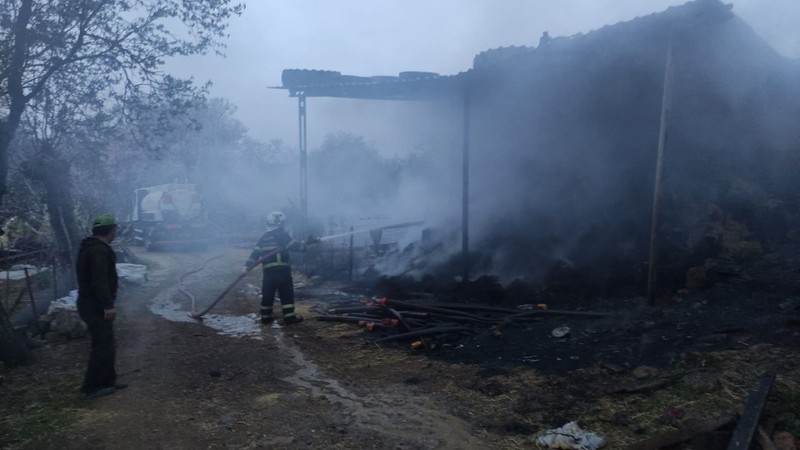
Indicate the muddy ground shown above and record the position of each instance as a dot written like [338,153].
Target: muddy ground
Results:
[229,383]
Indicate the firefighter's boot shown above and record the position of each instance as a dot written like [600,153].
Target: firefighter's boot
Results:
[266,316]
[289,317]
[292,319]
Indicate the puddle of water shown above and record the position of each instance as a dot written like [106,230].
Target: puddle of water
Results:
[246,326]
[163,305]
[236,326]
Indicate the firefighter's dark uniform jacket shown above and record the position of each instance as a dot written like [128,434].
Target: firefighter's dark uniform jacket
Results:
[97,291]
[277,239]
[97,276]
[272,250]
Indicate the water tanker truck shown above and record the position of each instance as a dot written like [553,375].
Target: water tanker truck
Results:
[170,215]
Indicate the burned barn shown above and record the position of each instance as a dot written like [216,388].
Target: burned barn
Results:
[561,144]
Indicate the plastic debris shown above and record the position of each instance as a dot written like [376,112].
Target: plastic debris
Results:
[68,303]
[132,273]
[570,437]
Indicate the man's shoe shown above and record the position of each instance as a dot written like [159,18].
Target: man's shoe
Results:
[266,320]
[292,319]
[102,392]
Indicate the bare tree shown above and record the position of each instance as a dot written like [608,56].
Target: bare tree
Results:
[98,50]
[119,45]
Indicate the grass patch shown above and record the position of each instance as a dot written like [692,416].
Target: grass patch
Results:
[41,413]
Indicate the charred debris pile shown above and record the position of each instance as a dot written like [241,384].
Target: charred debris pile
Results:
[430,325]
[555,339]
[560,335]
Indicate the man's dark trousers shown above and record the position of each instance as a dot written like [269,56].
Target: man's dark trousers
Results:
[100,372]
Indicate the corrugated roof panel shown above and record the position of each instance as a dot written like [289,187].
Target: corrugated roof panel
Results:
[406,86]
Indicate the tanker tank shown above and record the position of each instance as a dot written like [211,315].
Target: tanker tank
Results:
[170,215]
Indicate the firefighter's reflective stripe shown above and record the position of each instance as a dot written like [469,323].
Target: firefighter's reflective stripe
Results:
[276,264]
[266,249]
[278,261]
[287,306]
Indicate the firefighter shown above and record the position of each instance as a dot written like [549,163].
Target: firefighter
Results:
[97,290]
[272,251]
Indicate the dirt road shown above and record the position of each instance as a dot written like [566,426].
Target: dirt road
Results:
[193,386]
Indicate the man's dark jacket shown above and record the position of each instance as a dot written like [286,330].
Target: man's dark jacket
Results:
[97,276]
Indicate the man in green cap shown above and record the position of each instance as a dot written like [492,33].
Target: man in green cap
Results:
[97,291]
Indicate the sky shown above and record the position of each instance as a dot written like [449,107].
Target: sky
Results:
[368,37]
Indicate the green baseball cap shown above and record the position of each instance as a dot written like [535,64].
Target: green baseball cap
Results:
[104,220]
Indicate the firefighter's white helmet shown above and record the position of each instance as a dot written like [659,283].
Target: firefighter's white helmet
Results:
[275,219]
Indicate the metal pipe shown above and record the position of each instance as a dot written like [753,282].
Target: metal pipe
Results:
[355,309]
[430,309]
[303,148]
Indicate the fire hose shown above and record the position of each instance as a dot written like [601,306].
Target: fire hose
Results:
[199,316]
[183,290]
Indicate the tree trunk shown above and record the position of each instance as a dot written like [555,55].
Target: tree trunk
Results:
[52,172]
[13,348]
[17,100]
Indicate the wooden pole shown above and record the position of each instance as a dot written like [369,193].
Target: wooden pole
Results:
[658,187]
[350,256]
[465,193]
[748,422]
[33,301]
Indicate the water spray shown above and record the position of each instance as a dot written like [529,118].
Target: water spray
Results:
[372,230]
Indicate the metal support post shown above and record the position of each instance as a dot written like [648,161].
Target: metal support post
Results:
[303,164]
